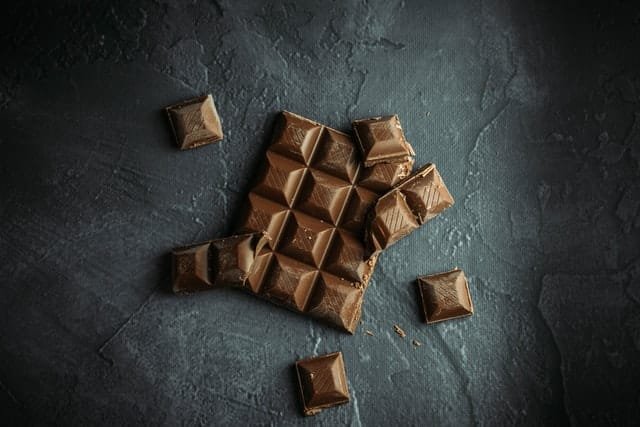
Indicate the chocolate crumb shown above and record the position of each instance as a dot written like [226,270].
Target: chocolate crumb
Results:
[416,343]
[369,333]
[399,331]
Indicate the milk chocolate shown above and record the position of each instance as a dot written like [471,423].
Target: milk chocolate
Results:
[215,263]
[322,382]
[312,200]
[195,122]
[445,296]
[382,140]
[411,203]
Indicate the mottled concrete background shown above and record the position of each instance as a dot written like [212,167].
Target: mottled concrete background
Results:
[531,112]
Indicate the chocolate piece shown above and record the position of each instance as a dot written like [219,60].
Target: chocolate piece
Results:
[383,176]
[311,200]
[410,204]
[381,140]
[195,122]
[445,296]
[220,262]
[322,382]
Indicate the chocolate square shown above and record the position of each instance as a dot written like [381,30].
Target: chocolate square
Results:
[322,382]
[381,140]
[445,296]
[195,122]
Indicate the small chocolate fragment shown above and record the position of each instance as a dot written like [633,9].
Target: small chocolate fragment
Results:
[414,201]
[215,263]
[445,296]
[195,122]
[322,382]
[399,331]
[383,176]
[382,140]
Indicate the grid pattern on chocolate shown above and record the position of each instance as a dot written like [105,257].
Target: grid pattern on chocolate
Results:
[310,201]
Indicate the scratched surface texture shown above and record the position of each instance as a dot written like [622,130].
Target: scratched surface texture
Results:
[531,112]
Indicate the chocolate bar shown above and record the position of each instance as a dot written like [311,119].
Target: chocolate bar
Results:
[445,296]
[312,199]
[215,263]
[322,382]
[195,122]
[382,140]
[410,204]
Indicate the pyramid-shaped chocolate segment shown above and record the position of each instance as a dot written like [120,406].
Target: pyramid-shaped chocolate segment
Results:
[322,382]
[195,122]
[382,140]
[392,220]
[445,296]
[190,268]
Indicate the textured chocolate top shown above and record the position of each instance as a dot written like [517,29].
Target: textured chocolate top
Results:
[195,122]
[322,382]
[445,296]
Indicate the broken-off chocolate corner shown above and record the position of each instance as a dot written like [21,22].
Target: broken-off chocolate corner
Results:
[195,122]
[322,382]
[411,203]
[215,263]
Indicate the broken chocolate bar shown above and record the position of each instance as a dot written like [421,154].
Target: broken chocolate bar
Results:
[410,204]
[312,200]
[322,382]
[215,263]
[195,122]
[382,140]
[445,296]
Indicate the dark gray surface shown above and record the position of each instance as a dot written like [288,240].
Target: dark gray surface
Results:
[532,114]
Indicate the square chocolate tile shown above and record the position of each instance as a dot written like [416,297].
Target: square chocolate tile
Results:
[195,122]
[382,140]
[322,382]
[445,296]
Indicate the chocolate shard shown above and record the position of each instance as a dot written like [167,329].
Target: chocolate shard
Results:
[382,140]
[312,199]
[195,122]
[215,263]
[411,203]
[322,382]
[445,296]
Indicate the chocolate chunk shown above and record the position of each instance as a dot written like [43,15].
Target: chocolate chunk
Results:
[220,262]
[322,382]
[445,296]
[310,198]
[381,140]
[426,194]
[410,204]
[195,122]
[383,176]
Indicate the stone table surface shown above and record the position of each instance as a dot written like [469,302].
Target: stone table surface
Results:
[531,112]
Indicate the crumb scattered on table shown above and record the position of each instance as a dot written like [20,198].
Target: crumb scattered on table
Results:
[399,331]
[369,333]
[416,343]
